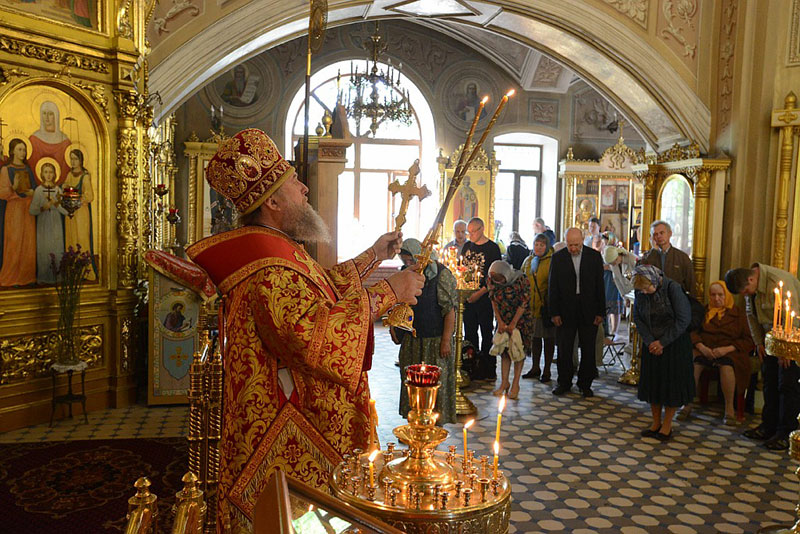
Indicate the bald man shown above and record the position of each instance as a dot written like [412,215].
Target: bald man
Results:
[577,299]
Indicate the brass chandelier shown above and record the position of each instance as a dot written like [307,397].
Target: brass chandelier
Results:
[375,94]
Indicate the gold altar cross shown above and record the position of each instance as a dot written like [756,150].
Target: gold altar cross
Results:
[407,191]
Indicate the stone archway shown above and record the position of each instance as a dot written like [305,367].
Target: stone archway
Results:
[602,47]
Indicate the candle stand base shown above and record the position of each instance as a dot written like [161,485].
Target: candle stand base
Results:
[777,345]
[422,490]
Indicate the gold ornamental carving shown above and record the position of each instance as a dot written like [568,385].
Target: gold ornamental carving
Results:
[619,156]
[7,75]
[679,15]
[52,55]
[97,92]
[127,176]
[30,356]
[680,153]
[783,119]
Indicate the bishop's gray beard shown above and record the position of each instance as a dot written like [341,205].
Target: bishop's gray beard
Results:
[303,224]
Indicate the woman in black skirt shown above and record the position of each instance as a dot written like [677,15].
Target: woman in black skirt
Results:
[662,314]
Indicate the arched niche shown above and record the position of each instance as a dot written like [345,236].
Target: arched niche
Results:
[670,179]
[675,205]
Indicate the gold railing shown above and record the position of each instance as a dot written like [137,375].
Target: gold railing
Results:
[190,509]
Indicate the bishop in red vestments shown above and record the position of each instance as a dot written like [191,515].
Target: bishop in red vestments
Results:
[298,337]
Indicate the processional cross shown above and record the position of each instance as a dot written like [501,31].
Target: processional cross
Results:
[407,191]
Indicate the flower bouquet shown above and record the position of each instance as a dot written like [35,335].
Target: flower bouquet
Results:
[69,274]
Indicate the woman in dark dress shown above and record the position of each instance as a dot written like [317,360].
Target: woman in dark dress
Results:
[662,314]
[724,342]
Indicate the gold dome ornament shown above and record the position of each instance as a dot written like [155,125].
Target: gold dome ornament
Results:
[401,317]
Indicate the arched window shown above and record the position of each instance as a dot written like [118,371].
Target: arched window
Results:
[525,187]
[366,209]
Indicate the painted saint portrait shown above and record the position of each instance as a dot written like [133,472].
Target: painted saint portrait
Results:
[465,203]
[242,89]
[175,321]
[52,144]
[468,102]
[81,13]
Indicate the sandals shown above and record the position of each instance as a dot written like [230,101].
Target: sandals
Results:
[499,392]
[756,433]
[777,444]
[513,393]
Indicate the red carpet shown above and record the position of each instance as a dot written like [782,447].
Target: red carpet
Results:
[83,486]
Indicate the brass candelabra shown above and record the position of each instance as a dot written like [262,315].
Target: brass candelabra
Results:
[421,490]
[783,344]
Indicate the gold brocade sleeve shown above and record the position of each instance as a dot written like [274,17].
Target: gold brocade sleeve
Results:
[362,266]
[381,298]
[309,332]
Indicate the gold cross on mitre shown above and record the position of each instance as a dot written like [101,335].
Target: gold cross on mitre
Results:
[407,191]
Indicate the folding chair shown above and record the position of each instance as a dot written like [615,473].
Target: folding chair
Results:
[612,354]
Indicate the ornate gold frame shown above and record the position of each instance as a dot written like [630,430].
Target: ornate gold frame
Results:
[788,120]
[96,69]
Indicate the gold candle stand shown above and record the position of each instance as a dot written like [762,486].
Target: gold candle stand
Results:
[789,349]
[631,376]
[424,491]
[464,406]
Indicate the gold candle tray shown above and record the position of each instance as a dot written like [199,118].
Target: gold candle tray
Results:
[781,347]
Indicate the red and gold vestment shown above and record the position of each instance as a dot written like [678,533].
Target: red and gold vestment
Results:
[298,345]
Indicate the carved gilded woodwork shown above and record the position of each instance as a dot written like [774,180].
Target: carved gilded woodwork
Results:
[99,64]
[708,192]
[52,55]
[30,356]
[97,92]
[127,178]
[788,120]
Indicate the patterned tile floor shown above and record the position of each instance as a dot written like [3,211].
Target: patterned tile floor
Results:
[578,465]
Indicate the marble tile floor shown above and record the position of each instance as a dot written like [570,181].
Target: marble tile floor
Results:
[578,465]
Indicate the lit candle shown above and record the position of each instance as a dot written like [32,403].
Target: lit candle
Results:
[372,467]
[776,310]
[500,106]
[373,422]
[499,418]
[466,426]
[780,301]
[496,457]
[786,326]
[791,323]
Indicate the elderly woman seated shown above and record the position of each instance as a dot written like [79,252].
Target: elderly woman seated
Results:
[723,343]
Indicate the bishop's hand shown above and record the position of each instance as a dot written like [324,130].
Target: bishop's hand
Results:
[388,245]
[407,285]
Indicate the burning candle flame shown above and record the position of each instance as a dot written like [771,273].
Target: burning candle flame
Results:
[502,404]
[469,423]
[496,447]
[373,455]
[510,93]
[485,99]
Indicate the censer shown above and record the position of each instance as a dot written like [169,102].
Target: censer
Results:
[421,490]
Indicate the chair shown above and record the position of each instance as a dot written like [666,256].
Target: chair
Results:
[612,353]
[702,387]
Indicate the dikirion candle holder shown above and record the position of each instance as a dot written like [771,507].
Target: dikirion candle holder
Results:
[420,489]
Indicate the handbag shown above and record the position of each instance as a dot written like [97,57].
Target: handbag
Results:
[547,320]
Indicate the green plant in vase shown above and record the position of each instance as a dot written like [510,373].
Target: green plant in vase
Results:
[69,274]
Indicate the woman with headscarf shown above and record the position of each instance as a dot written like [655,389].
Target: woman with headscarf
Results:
[434,322]
[517,250]
[723,342]
[662,315]
[536,268]
[509,292]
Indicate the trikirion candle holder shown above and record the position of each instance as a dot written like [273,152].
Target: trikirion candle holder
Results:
[421,489]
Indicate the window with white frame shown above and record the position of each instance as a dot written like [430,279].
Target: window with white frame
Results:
[365,207]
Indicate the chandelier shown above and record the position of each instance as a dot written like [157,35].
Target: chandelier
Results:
[375,94]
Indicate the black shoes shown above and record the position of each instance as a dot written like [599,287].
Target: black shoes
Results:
[544,379]
[560,390]
[533,373]
[663,438]
[587,393]
[649,433]
[757,433]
